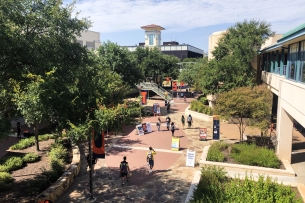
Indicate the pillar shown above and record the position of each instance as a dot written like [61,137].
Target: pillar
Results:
[282,61]
[272,62]
[284,134]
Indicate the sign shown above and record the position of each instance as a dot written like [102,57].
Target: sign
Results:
[98,144]
[140,130]
[175,144]
[190,158]
[148,127]
[156,108]
[203,133]
[174,85]
[216,127]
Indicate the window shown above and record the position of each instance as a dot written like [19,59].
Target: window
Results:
[293,57]
[302,59]
[151,39]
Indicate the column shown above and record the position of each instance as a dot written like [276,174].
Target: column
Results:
[282,61]
[298,64]
[276,64]
[272,70]
[284,134]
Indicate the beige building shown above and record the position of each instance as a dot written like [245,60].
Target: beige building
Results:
[90,39]
[213,40]
[152,35]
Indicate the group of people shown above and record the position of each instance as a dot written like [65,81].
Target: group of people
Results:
[124,168]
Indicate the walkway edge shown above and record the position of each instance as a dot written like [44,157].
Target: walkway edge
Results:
[146,148]
[193,186]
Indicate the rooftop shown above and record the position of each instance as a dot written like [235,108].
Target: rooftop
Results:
[294,30]
[152,26]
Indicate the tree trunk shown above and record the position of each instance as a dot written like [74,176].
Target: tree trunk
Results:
[36,136]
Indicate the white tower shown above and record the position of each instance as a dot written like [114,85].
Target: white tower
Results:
[152,35]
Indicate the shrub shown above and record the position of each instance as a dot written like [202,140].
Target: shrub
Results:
[215,153]
[57,152]
[30,158]
[267,191]
[254,156]
[23,144]
[6,177]
[13,163]
[3,168]
[209,188]
[203,100]
[45,137]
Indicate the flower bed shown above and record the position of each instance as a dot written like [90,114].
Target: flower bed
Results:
[201,106]
[247,154]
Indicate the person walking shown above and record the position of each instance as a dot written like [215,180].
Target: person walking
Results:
[19,130]
[182,121]
[165,102]
[189,120]
[150,158]
[168,107]
[173,129]
[158,124]
[124,170]
[93,162]
[168,121]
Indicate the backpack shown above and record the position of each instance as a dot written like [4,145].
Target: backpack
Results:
[149,156]
[189,119]
[123,167]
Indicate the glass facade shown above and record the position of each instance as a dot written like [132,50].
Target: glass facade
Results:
[293,60]
[302,59]
[151,39]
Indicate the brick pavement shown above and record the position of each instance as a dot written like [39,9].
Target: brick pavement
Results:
[171,180]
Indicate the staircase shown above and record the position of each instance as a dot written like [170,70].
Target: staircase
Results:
[154,87]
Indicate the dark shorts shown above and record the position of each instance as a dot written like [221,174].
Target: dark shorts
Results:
[123,174]
[151,163]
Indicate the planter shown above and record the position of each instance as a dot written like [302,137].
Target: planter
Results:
[200,116]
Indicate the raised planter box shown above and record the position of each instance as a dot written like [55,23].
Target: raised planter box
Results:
[200,116]
[244,168]
[63,183]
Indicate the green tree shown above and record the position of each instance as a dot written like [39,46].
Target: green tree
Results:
[253,103]
[120,60]
[235,51]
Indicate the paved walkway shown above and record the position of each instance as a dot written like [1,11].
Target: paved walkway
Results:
[171,179]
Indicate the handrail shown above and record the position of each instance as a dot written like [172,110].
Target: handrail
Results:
[155,87]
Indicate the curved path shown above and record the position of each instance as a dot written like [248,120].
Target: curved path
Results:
[170,180]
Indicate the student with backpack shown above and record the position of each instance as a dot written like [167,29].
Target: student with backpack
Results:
[124,170]
[150,158]
[173,129]
[189,120]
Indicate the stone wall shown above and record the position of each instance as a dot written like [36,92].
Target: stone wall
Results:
[63,183]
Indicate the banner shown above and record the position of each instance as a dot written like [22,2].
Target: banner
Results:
[203,133]
[148,127]
[156,108]
[175,144]
[98,144]
[190,158]
[140,129]
[175,85]
[166,83]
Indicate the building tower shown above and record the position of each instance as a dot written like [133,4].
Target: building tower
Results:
[152,35]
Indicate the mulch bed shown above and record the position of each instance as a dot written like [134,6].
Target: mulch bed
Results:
[19,188]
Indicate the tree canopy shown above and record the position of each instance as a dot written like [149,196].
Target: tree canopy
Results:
[253,103]
[233,57]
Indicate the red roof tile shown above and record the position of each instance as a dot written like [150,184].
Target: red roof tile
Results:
[153,26]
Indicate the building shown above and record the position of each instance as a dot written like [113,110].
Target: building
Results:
[90,39]
[283,70]
[153,38]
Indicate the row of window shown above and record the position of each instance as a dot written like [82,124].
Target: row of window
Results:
[295,68]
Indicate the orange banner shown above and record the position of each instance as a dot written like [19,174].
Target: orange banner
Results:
[98,144]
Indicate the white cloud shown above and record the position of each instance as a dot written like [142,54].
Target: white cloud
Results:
[181,15]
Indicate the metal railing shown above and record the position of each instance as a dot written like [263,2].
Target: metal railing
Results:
[154,87]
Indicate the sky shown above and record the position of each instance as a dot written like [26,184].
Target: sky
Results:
[185,21]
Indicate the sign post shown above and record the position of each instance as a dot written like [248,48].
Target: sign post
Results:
[190,158]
